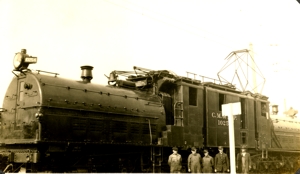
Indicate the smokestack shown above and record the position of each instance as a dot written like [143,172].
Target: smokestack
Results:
[86,73]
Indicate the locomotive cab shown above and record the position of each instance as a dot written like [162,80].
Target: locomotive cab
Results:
[185,116]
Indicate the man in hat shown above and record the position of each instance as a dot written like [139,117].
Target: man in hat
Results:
[194,161]
[208,162]
[221,161]
[243,161]
[175,161]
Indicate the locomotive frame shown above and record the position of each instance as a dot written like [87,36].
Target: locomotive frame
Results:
[52,124]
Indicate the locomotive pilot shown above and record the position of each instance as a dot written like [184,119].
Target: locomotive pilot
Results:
[174,161]
[221,161]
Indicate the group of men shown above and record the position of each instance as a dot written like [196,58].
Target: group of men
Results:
[207,164]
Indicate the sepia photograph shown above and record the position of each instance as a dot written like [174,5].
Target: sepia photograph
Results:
[149,86]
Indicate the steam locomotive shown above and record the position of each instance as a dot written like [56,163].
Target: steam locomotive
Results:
[53,124]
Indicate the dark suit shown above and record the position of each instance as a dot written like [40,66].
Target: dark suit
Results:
[221,162]
[243,163]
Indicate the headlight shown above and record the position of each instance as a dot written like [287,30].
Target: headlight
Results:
[22,60]
[18,59]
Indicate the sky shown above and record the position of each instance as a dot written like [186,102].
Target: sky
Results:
[177,35]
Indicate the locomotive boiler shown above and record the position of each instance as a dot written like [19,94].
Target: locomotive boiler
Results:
[54,124]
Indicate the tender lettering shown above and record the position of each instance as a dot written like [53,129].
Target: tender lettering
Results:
[216,115]
[213,115]
[222,123]
[219,115]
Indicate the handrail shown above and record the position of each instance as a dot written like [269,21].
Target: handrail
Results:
[9,165]
[178,106]
[215,81]
[207,79]
[55,74]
